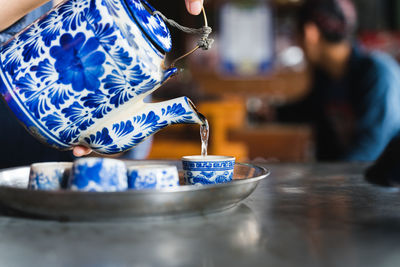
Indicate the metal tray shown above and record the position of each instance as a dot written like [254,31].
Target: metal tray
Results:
[184,200]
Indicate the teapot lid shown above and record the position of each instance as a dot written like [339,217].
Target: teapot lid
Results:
[152,25]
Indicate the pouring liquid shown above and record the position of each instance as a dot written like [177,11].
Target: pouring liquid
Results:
[204,133]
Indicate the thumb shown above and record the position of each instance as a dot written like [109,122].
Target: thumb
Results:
[194,6]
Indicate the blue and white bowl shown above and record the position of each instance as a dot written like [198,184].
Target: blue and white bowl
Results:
[199,170]
[152,176]
[98,175]
[49,175]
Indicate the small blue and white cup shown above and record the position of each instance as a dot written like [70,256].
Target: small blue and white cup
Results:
[98,175]
[49,175]
[201,170]
[152,177]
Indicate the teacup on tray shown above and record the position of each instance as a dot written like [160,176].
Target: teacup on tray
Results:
[200,170]
[49,175]
[152,176]
[98,175]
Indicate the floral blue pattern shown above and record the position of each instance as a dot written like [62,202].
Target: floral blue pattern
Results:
[51,27]
[78,61]
[208,178]
[35,100]
[44,182]
[141,182]
[106,35]
[12,55]
[152,25]
[209,171]
[152,177]
[113,6]
[67,74]
[49,175]
[33,46]
[78,115]
[140,127]
[73,13]
[122,88]
[99,175]
[98,102]
[53,121]
[205,178]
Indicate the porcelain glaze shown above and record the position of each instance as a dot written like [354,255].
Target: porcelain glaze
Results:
[49,175]
[79,74]
[199,170]
[98,175]
[152,176]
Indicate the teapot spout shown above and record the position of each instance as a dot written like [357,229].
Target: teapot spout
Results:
[168,74]
[177,111]
[144,122]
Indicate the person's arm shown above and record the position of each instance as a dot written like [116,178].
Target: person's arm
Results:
[377,118]
[11,10]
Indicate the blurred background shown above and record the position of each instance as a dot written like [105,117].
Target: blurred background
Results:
[254,65]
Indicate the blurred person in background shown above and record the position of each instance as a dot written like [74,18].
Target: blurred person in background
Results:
[17,146]
[354,102]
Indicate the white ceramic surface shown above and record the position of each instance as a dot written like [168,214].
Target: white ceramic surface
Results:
[98,175]
[152,176]
[49,175]
[201,170]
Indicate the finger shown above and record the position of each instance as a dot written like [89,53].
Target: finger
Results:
[194,6]
[80,151]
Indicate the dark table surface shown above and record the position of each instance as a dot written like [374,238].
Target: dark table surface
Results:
[302,215]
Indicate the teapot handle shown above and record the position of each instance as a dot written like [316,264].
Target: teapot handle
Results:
[203,43]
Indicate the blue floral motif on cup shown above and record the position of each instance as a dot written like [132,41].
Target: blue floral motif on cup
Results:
[208,171]
[204,166]
[42,181]
[147,177]
[49,175]
[96,174]
[141,182]
[212,177]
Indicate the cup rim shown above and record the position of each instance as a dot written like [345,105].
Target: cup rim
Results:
[207,158]
[151,166]
[62,164]
[91,159]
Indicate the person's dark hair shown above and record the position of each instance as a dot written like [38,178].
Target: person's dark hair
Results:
[336,19]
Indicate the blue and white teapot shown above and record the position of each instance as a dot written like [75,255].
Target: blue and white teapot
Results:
[79,74]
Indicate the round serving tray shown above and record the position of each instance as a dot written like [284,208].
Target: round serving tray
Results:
[69,205]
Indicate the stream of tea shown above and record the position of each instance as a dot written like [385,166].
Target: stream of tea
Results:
[204,132]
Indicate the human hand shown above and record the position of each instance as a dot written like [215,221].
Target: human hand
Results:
[194,6]
[80,151]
